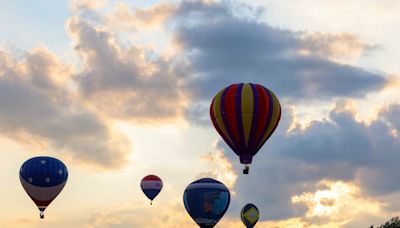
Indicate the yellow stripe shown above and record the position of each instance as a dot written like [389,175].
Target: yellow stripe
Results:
[247,100]
[274,118]
[218,115]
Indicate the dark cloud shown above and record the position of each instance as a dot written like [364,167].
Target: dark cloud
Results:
[340,148]
[225,48]
[38,109]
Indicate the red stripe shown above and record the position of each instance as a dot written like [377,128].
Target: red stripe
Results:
[262,112]
[217,127]
[41,203]
[151,177]
[231,116]
[273,129]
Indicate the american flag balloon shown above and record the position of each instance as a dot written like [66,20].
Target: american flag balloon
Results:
[43,178]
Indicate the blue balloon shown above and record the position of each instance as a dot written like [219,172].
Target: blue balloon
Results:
[206,200]
[43,178]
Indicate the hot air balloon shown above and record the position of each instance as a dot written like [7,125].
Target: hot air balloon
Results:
[206,200]
[151,185]
[245,115]
[250,215]
[43,178]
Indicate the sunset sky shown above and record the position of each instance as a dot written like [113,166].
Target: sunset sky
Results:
[118,90]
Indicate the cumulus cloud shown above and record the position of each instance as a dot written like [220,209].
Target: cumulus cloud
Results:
[339,201]
[340,47]
[125,17]
[39,110]
[136,214]
[125,83]
[222,169]
[338,148]
[225,48]
[76,5]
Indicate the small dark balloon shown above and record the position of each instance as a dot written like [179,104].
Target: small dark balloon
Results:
[249,215]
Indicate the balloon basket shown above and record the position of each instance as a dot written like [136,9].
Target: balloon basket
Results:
[246,170]
[41,215]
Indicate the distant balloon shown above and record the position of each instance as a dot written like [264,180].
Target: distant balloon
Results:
[245,115]
[151,185]
[206,200]
[43,178]
[250,215]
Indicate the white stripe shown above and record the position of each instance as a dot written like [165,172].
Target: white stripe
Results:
[206,185]
[151,184]
[42,193]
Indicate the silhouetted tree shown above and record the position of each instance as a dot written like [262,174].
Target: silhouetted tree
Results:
[392,223]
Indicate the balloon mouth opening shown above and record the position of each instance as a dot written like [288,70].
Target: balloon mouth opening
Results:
[246,159]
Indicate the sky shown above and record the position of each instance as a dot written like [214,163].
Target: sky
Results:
[118,90]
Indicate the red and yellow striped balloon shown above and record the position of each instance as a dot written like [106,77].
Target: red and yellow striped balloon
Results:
[245,115]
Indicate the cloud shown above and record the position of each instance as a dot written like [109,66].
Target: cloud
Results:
[124,83]
[343,47]
[137,19]
[39,110]
[339,201]
[76,5]
[135,214]
[339,149]
[222,169]
[225,48]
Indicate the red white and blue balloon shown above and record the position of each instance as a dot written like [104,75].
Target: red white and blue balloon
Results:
[151,185]
[43,178]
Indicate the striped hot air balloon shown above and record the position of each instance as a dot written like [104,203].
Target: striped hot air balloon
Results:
[245,115]
[151,185]
[43,178]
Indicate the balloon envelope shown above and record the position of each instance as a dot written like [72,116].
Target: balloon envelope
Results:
[43,178]
[151,185]
[245,115]
[249,215]
[206,200]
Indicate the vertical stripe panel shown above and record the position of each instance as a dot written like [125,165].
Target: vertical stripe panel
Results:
[276,112]
[255,117]
[217,118]
[247,111]
[239,122]
[228,103]
[262,111]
